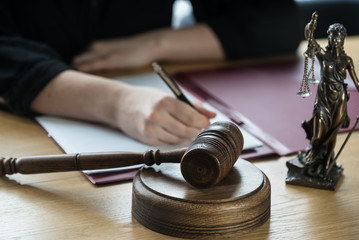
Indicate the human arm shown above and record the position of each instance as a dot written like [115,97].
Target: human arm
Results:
[192,43]
[248,29]
[34,80]
[26,67]
[225,29]
[151,116]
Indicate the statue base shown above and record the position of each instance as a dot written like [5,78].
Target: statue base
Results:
[297,176]
[164,202]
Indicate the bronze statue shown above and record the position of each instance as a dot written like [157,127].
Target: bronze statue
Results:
[318,165]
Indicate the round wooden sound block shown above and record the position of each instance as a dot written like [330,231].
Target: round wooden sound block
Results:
[164,202]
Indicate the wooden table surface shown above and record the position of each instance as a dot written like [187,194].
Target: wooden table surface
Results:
[68,206]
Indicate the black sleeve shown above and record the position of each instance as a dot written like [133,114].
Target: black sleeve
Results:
[25,67]
[252,28]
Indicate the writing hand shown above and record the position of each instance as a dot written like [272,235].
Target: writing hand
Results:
[159,118]
[147,114]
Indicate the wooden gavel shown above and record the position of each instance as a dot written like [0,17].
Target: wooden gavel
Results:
[204,163]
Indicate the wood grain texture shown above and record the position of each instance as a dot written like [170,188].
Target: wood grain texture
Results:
[164,202]
[86,161]
[68,206]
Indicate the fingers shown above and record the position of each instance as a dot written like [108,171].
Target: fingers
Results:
[155,134]
[172,122]
[161,127]
[96,57]
[208,113]
[101,63]
[177,131]
[95,51]
[189,116]
[93,64]
[84,59]
[180,121]
[115,54]
[106,55]
[92,61]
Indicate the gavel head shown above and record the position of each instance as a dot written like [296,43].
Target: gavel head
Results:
[212,154]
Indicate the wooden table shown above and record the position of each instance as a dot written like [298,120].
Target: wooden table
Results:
[68,206]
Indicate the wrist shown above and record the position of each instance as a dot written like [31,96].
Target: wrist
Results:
[187,44]
[113,105]
[158,44]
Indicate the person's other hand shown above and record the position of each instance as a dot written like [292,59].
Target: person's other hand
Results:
[120,53]
[186,44]
[155,117]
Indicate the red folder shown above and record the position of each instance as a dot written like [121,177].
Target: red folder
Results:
[263,100]
[110,177]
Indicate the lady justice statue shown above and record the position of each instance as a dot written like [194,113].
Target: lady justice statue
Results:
[317,167]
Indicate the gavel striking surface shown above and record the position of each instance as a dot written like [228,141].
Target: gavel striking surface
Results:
[164,202]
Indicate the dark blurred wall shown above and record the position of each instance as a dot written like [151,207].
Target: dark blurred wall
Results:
[345,12]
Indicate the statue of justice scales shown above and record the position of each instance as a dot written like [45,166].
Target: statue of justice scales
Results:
[317,167]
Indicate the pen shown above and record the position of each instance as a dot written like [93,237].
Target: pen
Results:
[171,84]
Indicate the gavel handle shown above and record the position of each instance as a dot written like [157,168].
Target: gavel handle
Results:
[85,161]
